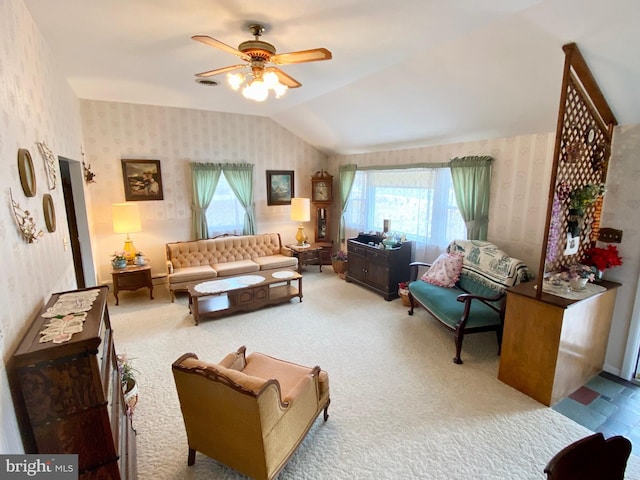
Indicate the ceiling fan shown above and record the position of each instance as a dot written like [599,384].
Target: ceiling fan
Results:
[260,77]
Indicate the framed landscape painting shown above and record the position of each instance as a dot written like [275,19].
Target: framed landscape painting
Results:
[142,180]
[279,187]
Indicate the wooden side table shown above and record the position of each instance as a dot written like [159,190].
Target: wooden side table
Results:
[132,277]
[310,255]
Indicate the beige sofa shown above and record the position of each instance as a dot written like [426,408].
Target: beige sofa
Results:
[202,260]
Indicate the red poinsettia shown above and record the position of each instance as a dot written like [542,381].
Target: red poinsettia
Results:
[602,258]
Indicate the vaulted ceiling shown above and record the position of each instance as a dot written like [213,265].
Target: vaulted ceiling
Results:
[404,73]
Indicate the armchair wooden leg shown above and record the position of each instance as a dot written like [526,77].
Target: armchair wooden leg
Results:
[326,407]
[192,457]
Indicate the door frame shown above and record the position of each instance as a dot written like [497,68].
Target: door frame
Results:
[83,240]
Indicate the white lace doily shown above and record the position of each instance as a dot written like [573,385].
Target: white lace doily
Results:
[283,274]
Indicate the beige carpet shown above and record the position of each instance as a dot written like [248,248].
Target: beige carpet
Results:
[400,408]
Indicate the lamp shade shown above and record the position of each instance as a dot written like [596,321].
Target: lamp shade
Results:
[300,209]
[126,217]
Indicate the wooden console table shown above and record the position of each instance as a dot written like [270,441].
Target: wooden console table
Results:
[132,277]
[551,346]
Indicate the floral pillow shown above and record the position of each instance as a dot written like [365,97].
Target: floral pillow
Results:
[445,271]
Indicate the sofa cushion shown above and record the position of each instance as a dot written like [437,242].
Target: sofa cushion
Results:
[443,303]
[288,374]
[235,267]
[273,262]
[445,271]
[192,274]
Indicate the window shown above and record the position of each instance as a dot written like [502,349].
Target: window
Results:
[225,213]
[419,202]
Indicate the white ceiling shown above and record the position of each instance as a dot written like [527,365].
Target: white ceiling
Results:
[404,73]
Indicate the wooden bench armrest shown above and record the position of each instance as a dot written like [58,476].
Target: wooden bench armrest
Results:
[413,269]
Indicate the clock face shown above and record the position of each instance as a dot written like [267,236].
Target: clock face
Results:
[321,192]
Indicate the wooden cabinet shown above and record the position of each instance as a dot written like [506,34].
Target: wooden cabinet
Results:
[378,269]
[551,346]
[68,396]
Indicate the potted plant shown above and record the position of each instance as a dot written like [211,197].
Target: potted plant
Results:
[139,260]
[602,258]
[339,261]
[403,291]
[128,381]
[582,197]
[119,259]
[579,275]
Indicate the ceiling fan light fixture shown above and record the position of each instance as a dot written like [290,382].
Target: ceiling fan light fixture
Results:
[270,79]
[235,80]
[280,89]
[256,90]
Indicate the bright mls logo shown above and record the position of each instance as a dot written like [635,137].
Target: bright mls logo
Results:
[51,467]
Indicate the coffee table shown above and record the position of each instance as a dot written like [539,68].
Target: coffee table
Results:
[216,298]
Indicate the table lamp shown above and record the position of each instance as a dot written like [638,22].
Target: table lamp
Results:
[300,212]
[126,219]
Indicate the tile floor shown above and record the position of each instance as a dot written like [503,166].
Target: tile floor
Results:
[606,404]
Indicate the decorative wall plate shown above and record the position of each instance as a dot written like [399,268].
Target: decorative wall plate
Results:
[27,174]
[49,212]
[49,164]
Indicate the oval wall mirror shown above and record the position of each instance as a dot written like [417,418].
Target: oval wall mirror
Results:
[49,212]
[27,174]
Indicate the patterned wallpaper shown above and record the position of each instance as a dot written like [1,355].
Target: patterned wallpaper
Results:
[36,105]
[519,185]
[177,136]
[519,192]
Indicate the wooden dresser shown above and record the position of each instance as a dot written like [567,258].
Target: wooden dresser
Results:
[381,270]
[551,346]
[69,399]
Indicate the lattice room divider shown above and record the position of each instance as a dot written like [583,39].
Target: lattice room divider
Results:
[581,156]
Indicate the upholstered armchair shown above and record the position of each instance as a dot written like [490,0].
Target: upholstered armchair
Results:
[248,412]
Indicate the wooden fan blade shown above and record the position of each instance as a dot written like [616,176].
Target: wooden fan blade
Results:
[284,78]
[218,71]
[313,55]
[222,46]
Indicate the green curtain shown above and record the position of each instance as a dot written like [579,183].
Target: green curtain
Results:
[204,179]
[346,176]
[471,178]
[240,178]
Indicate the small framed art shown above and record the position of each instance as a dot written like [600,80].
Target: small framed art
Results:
[279,187]
[142,180]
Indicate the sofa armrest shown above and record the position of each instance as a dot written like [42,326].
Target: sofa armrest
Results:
[286,251]
[169,267]
[467,298]
[413,269]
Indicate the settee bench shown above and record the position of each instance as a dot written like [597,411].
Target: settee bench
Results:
[225,256]
[476,303]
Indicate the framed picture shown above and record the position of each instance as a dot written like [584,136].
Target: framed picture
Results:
[279,187]
[142,180]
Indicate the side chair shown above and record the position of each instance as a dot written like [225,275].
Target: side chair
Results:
[249,412]
[591,458]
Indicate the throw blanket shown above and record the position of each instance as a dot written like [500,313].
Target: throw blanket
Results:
[485,264]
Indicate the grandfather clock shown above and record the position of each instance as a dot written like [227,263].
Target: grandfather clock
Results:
[322,197]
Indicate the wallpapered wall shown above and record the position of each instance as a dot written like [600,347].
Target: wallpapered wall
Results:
[517,212]
[36,105]
[519,185]
[177,136]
